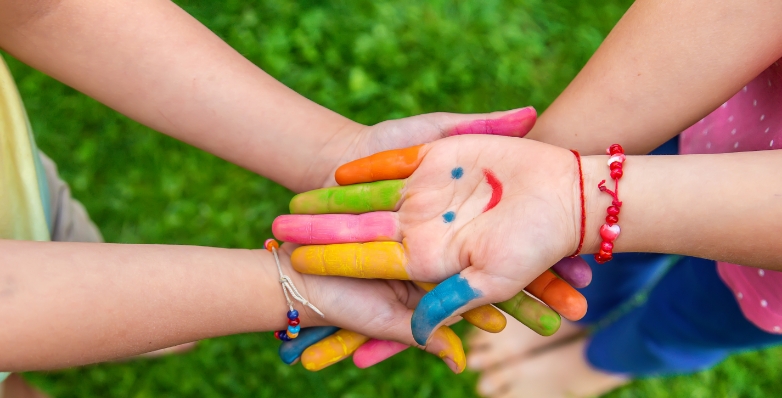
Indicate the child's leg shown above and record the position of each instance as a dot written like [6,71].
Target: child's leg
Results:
[690,322]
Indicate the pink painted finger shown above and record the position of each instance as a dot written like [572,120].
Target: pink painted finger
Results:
[515,124]
[375,351]
[574,271]
[326,229]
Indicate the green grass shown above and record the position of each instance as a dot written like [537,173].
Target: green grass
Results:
[369,60]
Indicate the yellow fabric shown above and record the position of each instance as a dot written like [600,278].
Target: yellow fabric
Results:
[21,207]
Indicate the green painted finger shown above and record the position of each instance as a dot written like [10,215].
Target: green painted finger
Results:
[532,313]
[351,199]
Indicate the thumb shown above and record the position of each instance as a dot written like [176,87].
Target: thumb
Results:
[512,123]
[453,296]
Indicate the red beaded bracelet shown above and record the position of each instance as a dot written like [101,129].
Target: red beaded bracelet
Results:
[610,230]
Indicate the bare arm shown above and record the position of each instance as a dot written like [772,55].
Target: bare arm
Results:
[724,207]
[66,304]
[664,66]
[153,62]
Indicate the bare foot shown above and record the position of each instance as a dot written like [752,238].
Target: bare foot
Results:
[516,341]
[16,387]
[556,372]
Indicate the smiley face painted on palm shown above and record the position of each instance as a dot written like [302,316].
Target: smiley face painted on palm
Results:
[491,179]
[386,205]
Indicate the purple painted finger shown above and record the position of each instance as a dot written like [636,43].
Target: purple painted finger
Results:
[574,271]
[326,229]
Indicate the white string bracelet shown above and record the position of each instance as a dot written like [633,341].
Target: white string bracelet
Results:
[290,291]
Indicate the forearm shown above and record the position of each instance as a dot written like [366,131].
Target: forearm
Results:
[664,66]
[153,62]
[724,207]
[65,304]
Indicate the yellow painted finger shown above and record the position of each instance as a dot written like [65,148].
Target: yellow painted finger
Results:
[332,349]
[374,260]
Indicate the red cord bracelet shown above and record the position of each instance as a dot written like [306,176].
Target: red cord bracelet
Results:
[610,230]
[583,207]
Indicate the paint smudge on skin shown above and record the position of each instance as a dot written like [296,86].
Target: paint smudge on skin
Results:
[375,351]
[326,229]
[496,189]
[440,304]
[532,313]
[485,317]
[388,165]
[332,349]
[449,216]
[352,199]
[516,124]
[374,260]
[290,351]
[457,173]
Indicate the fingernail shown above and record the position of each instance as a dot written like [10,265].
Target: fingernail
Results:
[451,364]
[448,346]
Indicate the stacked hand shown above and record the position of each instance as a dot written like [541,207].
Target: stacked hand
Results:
[473,213]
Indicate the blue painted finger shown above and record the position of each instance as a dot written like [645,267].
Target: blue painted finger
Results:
[291,350]
[441,303]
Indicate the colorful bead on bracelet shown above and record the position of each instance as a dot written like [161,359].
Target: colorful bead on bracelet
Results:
[610,230]
[289,290]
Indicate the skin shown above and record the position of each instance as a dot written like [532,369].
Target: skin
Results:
[154,63]
[374,351]
[547,199]
[664,66]
[169,295]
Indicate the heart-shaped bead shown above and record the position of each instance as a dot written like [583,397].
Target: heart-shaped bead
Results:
[616,158]
[609,233]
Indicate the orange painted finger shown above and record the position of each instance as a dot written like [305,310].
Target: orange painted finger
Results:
[558,295]
[395,164]
[485,317]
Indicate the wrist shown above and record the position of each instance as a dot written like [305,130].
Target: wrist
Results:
[595,169]
[303,284]
[341,148]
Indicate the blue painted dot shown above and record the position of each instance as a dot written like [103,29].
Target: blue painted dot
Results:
[457,173]
[449,216]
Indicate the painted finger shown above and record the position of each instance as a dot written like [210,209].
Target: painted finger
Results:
[387,165]
[574,271]
[532,313]
[324,229]
[375,351]
[441,303]
[448,346]
[291,350]
[375,260]
[351,199]
[514,123]
[332,349]
[558,295]
[485,317]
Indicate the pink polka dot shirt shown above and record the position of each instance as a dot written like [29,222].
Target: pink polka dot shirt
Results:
[750,121]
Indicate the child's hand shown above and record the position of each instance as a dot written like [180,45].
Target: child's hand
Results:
[422,129]
[376,308]
[499,212]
